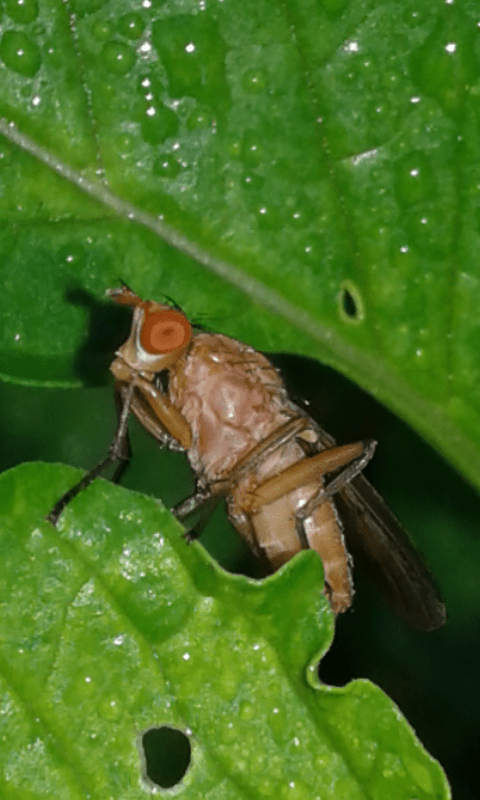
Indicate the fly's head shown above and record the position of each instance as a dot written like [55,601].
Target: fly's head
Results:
[159,335]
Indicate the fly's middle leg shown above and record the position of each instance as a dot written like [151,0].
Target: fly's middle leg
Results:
[201,504]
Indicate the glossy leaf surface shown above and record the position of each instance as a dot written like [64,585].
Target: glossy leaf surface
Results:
[112,625]
[319,160]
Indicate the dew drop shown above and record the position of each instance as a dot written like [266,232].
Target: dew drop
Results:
[253,149]
[20,53]
[254,80]
[200,119]
[131,26]
[193,51]
[269,217]
[145,49]
[22,11]
[414,179]
[101,30]
[159,124]
[351,47]
[446,64]
[118,57]
[167,166]
[72,254]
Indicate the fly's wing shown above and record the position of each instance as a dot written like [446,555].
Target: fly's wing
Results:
[376,538]
[394,564]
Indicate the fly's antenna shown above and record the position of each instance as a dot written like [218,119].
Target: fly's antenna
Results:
[124,284]
[199,327]
[204,323]
[173,303]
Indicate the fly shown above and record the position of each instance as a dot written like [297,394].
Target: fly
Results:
[287,484]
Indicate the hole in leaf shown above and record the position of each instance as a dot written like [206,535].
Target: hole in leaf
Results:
[350,302]
[167,752]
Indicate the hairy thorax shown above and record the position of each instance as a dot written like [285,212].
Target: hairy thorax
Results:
[232,398]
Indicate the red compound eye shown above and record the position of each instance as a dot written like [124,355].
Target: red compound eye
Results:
[164,331]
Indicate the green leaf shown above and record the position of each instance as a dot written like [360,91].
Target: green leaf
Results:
[112,625]
[319,162]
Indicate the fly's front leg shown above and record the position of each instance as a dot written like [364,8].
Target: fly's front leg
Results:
[163,415]
[119,451]
[126,455]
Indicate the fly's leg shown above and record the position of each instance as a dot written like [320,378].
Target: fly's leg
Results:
[125,457]
[331,548]
[203,502]
[263,449]
[160,407]
[119,451]
[352,456]
[351,470]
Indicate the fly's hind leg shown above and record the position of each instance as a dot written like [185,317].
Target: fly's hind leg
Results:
[331,547]
[353,457]
[324,534]
[352,468]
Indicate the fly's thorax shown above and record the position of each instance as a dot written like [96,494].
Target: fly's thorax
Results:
[231,397]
